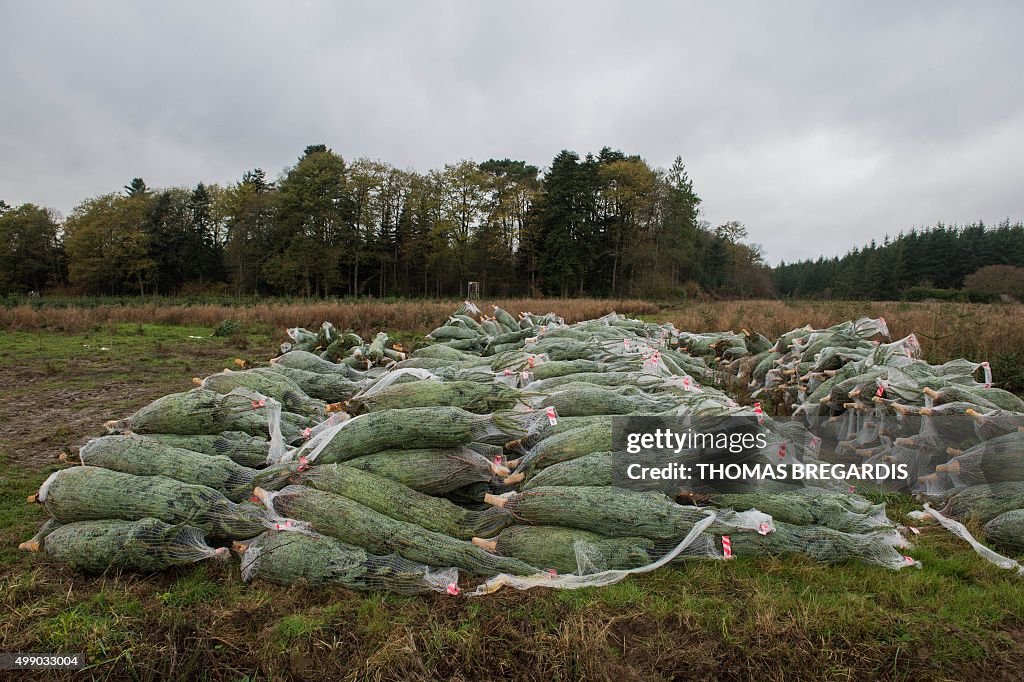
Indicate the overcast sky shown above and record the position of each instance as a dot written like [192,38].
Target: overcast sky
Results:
[818,125]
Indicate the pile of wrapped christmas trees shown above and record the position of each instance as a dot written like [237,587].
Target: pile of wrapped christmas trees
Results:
[485,457]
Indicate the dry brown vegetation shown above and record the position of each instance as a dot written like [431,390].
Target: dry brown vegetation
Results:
[946,330]
[363,317]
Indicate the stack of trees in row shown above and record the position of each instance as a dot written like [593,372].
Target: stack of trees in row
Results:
[488,453]
[960,437]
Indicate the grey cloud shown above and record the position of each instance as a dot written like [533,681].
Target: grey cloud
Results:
[819,125]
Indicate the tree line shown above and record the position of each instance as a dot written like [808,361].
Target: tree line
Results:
[918,263]
[608,224]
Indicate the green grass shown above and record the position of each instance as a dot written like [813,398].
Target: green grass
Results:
[748,618]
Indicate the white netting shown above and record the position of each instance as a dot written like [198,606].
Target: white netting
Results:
[958,529]
[492,450]
[598,579]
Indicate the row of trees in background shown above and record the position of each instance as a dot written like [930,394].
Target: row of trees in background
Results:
[601,225]
[930,263]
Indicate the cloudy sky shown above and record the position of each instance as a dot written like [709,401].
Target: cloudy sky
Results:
[817,124]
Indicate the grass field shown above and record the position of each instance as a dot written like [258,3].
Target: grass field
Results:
[959,617]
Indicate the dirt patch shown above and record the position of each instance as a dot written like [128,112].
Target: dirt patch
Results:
[56,406]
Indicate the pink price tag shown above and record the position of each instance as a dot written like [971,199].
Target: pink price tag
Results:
[782,450]
[307,432]
[499,459]
[259,403]
[453,589]
[303,463]
[283,526]
[507,372]
[552,572]
[881,390]
[764,529]
[909,560]
[551,415]
[531,362]
[850,489]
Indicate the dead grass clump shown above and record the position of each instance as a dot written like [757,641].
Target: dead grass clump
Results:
[364,317]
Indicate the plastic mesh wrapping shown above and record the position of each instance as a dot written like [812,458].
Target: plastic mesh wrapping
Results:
[605,511]
[986,501]
[586,559]
[426,427]
[813,506]
[268,383]
[586,399]
[86,493]
[997,460]
[430,471]
[240,447]
[330,388]
[145,457]
[310,362]
[199,411]
[1006,531]
[472,396]
[357,524]
[144,545]
[286,558]
[402,503]
[958,529]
